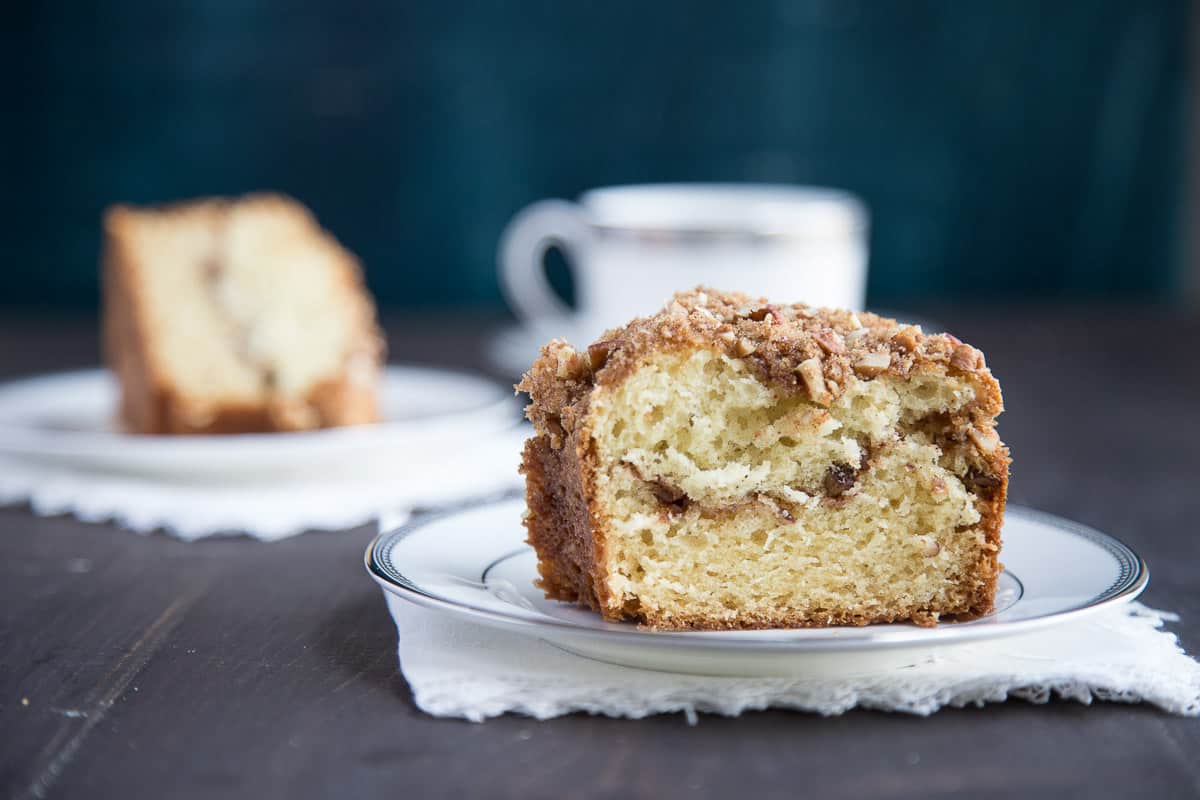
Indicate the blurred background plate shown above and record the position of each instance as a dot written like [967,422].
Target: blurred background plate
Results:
[69,418]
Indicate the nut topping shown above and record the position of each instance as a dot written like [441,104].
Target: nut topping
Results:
[569,364]
[930,547]
[599,352]
[830,341]
[965,358]
[765,312]
[814,380]
[871,364]
[906,337]
[744,347]
[856,334]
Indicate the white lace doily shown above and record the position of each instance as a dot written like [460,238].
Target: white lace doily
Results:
[263,510]
[459,669]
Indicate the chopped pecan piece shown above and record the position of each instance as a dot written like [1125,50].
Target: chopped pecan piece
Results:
[871,364]
[856,334]
[814,380]
[569,364]
[965,358]
[759,314]
[906,337]
[599,352]
[744,347]
[830,341]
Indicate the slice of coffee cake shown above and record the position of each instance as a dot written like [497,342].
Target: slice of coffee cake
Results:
[232,316]
[729,463]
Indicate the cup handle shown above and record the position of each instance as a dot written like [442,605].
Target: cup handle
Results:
[521,257]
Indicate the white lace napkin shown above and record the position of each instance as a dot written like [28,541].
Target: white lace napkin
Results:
[265,510]
[459,669]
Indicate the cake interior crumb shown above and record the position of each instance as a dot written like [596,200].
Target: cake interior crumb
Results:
[728,498]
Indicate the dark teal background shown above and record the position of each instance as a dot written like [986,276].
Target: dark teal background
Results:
[1019,148]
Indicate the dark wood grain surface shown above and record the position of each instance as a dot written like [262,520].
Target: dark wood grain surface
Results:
[140,666]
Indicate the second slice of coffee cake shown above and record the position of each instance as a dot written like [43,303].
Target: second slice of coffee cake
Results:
[235,316]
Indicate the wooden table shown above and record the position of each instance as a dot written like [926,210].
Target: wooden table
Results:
[143,666]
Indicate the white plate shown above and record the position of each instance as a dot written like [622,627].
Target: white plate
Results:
[69,418]
[474,564]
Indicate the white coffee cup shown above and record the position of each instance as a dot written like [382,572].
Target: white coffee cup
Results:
[630,248]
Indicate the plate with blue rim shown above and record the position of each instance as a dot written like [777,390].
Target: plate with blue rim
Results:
[472,563]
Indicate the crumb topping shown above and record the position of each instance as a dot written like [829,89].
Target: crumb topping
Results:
[794,348]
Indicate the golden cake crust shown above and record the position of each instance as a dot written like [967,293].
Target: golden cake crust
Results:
[151,404]
[794,348]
